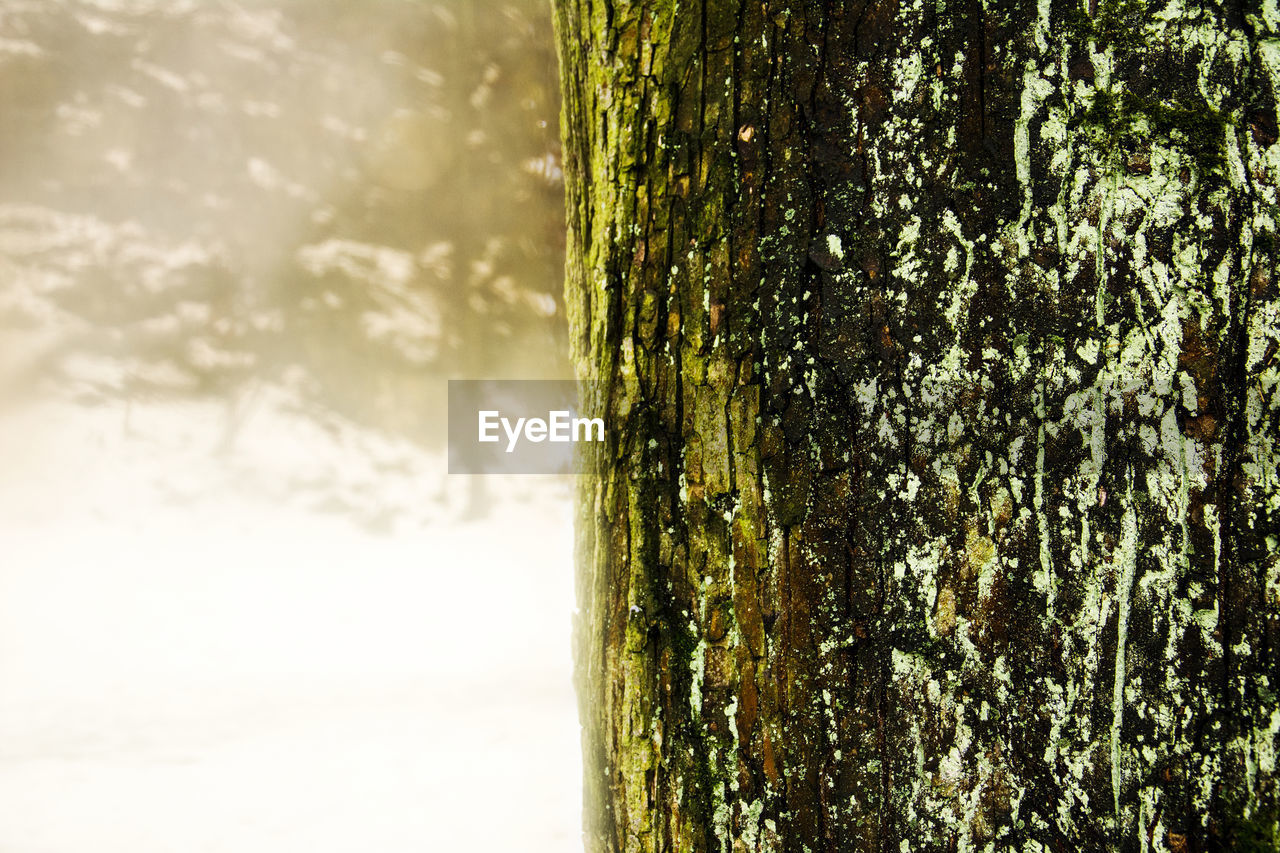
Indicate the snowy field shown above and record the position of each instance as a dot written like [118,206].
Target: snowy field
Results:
[307,642]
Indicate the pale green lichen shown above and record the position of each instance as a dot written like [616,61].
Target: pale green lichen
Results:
[1127,565]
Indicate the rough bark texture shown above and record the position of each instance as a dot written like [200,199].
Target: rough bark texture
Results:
[938,343]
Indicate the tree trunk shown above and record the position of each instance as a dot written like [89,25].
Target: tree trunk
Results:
[938,346]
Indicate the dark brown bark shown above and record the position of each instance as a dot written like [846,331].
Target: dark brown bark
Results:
[938,346]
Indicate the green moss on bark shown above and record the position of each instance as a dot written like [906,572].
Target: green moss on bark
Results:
[939,349]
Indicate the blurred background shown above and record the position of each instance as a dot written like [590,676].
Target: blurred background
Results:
[243,245]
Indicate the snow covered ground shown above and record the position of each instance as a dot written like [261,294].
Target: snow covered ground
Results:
[298,644]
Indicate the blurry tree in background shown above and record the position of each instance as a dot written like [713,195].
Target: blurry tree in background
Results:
[349,201]
[242,247]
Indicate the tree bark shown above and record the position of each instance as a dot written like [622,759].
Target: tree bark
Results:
[938,347]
